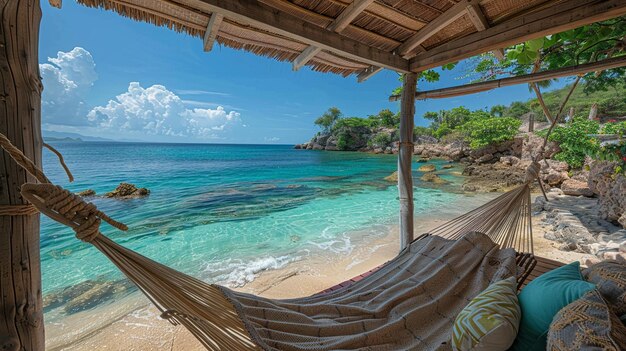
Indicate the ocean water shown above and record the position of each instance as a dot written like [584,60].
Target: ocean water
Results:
[224,213]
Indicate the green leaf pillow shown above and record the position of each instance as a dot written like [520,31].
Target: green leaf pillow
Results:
[490,320]
[542,299]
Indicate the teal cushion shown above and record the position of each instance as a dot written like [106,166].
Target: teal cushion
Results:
[542,299]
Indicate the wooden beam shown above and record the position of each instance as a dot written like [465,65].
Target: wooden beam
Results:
[615,62]
[499,54]
[451,15]
[304,57]
[211,30]
[348,15]
[479,20]
[405,156]
[550,20]
[261,16]
[21,307]
[368,73]
[340,23]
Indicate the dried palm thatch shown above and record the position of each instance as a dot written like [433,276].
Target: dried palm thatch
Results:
[383,24]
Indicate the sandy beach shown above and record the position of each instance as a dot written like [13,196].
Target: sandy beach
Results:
[132,324]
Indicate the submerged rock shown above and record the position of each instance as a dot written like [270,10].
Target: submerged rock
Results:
[86,193]
[433,178]
[127,191]
[427,168]
[447,166]
[393,177]
[85,295]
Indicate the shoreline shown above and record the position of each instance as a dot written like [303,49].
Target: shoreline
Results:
[131,323]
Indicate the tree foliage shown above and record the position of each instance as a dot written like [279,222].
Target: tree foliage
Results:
[328,119]
[585,44]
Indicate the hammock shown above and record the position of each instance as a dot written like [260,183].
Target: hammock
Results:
[410,302]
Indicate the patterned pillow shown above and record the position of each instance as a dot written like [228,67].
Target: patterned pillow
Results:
[587,324]
[490,320]
[610,278]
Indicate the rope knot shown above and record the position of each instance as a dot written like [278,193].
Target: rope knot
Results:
[532,172]
[68,208]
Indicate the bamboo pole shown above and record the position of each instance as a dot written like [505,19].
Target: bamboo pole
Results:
[405,156]
[524,79]
[21,314]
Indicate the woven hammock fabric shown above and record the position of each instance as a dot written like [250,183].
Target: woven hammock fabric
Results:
[409,304]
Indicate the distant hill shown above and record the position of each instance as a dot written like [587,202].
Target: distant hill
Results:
[50,135]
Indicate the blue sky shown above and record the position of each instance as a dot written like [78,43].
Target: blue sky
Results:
[170,90]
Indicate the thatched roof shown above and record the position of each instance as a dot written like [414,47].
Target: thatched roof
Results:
[371,34]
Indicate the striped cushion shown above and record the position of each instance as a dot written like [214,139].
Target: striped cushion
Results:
[490,321]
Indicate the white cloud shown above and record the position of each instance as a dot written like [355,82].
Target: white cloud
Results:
[67,80]
[157,111]
[271,139]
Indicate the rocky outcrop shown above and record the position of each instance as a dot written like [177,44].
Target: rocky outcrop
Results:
[127,191]
[576,188]
[611,189]
[86,193]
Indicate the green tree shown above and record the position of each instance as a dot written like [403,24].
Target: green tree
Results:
[498,110]
[586,44]
[517,109]
[481,132]
[328,119]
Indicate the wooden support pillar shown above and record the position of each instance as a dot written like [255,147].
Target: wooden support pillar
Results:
[405,156]
[21,314]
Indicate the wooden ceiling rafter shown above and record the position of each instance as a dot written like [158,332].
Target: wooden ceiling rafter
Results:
[338,25]
[549,20]
[265,17]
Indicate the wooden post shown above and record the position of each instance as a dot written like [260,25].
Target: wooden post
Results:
[593,112]
[21,314]
[531,122]
[405,156]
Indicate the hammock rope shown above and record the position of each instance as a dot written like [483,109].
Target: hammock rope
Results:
[204,309]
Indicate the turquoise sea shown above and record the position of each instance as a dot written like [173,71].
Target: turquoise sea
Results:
[225,213]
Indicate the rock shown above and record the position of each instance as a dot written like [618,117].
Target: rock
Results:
[86,193]
[127,191]
[433,178]
[622,247]
[576,188]
[485,158]
[423,159]
[509,160]
[558,166]
[447,166]
[378,150]
[611,190]
[298,147]
[393,177]
[427,168]
[555,178]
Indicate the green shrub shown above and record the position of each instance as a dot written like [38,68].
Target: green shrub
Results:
[575,142]
[418,131]
[485,131]
[380,140]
